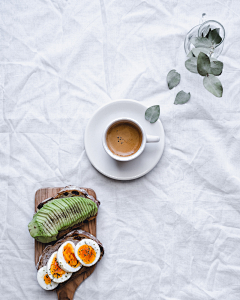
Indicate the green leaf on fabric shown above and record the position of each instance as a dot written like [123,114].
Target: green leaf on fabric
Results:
[182,98]
[213,85]
[203,64]
[152,113]
[173,79]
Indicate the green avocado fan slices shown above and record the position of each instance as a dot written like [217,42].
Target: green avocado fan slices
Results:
[60,214]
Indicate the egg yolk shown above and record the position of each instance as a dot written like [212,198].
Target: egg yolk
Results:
[55,270]
[47,279]
[87,254]
[69,256]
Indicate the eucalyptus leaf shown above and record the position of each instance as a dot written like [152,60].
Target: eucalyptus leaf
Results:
[190,54]
[152,113]
[182,98]
[216,67]
[173,79]
[207,36]
[214,36]
[213,85]
[196,51]
[191,65]
[200,42]
[205,31]
[203,64]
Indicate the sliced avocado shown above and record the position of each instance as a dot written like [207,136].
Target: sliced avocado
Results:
[71,209]
[47,221]
[54,215]
[59,214]
[63,207]
[70,202]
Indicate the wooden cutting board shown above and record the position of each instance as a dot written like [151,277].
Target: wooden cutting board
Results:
[66,291]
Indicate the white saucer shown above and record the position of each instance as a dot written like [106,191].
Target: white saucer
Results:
[102,161]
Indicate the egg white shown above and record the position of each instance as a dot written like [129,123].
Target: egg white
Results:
[62,262]
[40,278]
[91,243]
[61,279]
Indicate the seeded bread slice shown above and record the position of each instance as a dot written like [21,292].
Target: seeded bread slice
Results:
[71,191]
[67,289]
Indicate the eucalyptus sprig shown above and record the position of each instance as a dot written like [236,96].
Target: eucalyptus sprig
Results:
[200,60]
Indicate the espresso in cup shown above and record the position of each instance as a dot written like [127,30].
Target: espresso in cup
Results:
[124,138]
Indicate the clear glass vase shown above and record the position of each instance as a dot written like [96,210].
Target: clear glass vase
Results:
[201,30]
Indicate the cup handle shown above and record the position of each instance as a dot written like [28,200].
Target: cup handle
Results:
[152,139]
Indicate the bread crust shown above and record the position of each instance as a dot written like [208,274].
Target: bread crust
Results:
[70,191]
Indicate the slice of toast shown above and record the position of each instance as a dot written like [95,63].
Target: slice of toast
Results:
[71,191]
[66,289]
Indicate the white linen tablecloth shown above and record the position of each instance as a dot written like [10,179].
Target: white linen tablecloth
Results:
[173,234]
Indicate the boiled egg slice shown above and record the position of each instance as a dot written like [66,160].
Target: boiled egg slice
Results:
[44,280]
[55,273]
[87,252]
[66,258]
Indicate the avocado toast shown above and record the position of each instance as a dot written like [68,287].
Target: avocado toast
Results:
[58,215]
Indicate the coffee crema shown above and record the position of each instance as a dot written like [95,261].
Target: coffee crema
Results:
[124,138]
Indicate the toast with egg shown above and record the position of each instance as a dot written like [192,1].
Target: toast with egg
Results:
[64,289]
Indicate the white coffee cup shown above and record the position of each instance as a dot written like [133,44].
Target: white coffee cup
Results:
[145,139]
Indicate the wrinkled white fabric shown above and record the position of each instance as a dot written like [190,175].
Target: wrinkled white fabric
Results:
[173,234]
